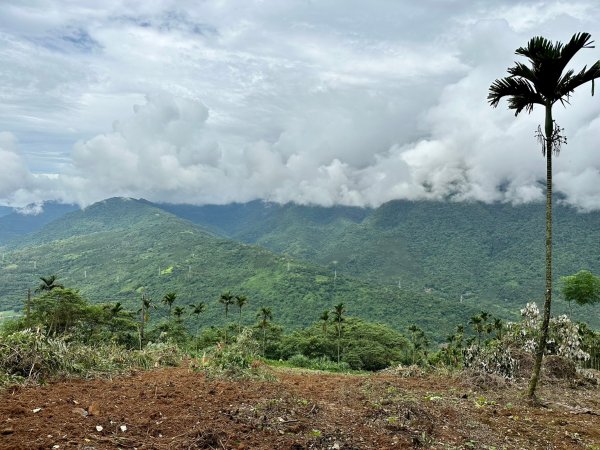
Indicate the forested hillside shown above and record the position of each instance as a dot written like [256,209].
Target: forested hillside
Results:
[117,249]
[474,251]
[470,255]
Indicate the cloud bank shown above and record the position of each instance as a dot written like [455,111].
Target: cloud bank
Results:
[323,104]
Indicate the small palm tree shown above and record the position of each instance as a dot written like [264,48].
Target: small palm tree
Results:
[325,319]
[417,337]
[169,299]
[198,309]
[49,283]
[264,316]
[144,312]
[226,300]
[240,301]
[338,313]
[178,313]
[498,327]
[543,83]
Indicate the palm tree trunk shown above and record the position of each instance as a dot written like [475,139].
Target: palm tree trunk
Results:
[338,342]
[548,296]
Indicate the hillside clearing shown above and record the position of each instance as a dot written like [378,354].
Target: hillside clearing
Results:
[177,408]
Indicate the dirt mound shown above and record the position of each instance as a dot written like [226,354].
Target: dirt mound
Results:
[181,409]
[559,368]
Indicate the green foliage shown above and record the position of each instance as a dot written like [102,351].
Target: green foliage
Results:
[31,354]
[486,253]
[322,363]
[583,288]
[365,346]
[235,360]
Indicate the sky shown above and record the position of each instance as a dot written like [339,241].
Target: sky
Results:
[317,102]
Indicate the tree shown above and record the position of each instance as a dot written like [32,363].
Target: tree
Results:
[325,319]
[144,312]
[169,299]
[198,309]
[240,301]
[178,313]
[58,310]
[544,83]
[48,283]
[226,300]
[264,316]
[583,288]
[419,343]
[477,323]
[338,313]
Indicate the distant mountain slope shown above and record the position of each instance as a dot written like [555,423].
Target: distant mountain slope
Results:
[490,254]
[114,250]
[15,224]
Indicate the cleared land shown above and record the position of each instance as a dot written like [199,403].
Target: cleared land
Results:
[178,408]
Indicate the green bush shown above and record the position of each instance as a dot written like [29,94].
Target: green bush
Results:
[364,345]
[30,354]
[322,363]
[234,360]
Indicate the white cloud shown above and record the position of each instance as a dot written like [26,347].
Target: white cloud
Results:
[297,101]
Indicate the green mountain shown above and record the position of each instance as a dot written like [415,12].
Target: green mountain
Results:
[14,224]
[484,254]
[116,249]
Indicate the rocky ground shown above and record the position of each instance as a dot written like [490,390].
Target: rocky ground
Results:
[178,408]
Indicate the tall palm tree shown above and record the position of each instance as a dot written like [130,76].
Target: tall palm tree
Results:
[226,300]
[264,316]
[48,283]
[544,83]
[338,313]
[240,301]
[169,299]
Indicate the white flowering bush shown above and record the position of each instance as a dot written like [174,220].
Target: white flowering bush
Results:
[563,335]
[497,357]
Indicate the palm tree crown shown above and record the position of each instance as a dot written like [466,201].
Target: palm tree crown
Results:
[48,283]
[169,299]
[543,82]
[226,300]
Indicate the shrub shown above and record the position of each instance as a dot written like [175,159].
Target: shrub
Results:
[321,363]
[234,360]
[30,354]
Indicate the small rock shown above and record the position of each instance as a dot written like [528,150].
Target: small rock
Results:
[99,428]
[80,411]
[37,410]
[336,446]
[123,428]
[7,430]
[94,409]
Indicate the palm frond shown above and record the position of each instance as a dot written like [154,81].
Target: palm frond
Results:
[576,43]
[539,48]
[521,93]
[523,71]
[569,84]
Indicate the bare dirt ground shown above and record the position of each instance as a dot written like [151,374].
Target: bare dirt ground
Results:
[177,408]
